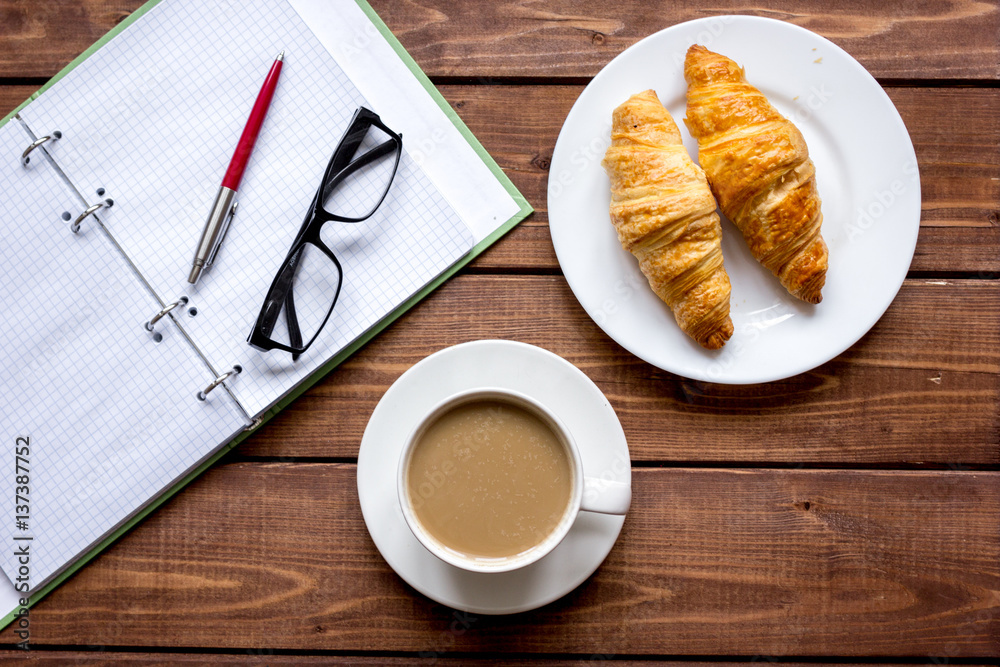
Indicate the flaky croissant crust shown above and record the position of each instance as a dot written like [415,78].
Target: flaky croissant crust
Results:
[759,168]
[664,213]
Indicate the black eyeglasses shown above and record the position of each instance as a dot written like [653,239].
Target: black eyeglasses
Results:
[305,289]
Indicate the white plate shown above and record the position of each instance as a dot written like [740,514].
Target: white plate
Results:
[547,378]
[867,177]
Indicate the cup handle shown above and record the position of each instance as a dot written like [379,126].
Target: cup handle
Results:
[605,496]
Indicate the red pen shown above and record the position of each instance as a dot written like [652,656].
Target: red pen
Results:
[225,205]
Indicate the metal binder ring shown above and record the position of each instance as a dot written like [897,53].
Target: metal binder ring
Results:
[156,318]
[203,394]
[36,143]
[75,227]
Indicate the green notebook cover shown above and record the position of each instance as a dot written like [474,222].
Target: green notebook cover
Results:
[524,209]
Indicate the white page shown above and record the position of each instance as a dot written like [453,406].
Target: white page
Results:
[154,117]
[111,417]
[10,599]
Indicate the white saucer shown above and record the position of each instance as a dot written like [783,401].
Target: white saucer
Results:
[549,379]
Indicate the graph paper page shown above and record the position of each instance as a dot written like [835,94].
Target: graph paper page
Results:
[153,117]
[110,417]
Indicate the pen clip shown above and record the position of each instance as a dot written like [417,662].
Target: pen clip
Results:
[222,236]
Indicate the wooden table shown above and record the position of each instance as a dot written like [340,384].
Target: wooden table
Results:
[852,511]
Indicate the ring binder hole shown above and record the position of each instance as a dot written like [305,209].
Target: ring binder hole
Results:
[202,396]
[157,337]
[27,160]
[67,215]
[192,311]
[57,134]
[100,192]
[109,203]
[237,368]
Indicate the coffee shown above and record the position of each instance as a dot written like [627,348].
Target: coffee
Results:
[489,479]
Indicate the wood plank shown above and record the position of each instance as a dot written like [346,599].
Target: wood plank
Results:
[268,657]
[922,386]
[569,39]
[955,131]
[748,562]
[952,250]
[523,38]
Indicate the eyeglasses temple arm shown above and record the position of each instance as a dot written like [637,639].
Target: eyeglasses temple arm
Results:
[279,292]
[292,320]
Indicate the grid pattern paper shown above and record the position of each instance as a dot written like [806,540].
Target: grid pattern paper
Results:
[154,117]
[111,416]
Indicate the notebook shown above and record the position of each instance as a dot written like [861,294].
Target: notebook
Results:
[107,412]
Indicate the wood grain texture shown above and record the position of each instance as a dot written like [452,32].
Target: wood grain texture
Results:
[769,563]
[268,657]
[955,39]
[922,386]
[955,131]
[568,38]
[40,38]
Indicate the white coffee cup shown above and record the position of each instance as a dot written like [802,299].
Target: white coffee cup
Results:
[588,494]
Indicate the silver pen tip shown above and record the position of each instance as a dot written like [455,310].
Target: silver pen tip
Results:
[281,56]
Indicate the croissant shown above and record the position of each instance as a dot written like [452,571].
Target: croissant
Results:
[759,168]
[664,213]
